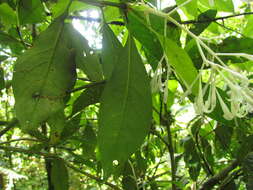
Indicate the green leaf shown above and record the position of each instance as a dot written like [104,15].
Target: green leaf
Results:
[30,11]
[60,7]
[110,52]
[59,175]
[248,170]
[207,150]
[191,158]
[181,62]
[43,75]
[125,112]
[249,27]
[89,142]
[7,14]
[91,66]
[198,28]
[172,88]
[223,135]
[220,5]
[191,7]
[230,186]
[57,123]
[128,180]
[144,35]
[238,45]
[78,6]
[8,40]
[225,5]
[72,126]
[88,97]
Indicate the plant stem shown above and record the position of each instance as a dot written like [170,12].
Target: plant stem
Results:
[168,124]
[92,176]
[48,163]
[172,156]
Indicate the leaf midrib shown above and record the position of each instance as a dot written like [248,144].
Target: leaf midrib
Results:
[49,65]
[126,94]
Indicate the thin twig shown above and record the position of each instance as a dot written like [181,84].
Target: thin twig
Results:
[26,151]
[15,140]
[92,176]
[99,20]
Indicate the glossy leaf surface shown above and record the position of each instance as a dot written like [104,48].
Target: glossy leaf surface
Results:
[125,111]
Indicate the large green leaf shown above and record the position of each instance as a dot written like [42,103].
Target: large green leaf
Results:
[181,62]
[30,11]
[143,34]
[125,112]
[43,75]
[59,175]
[110,51]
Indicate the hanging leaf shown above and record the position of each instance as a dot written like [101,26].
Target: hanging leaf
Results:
[191,7]
[43,75]
[59,174]
[146,37]
[110,52]
[91,66]
[198,28]
[72,126]
[125,111]
[88,97]
[60,7]
[191,158]
[89,142]
[181,62]
[30,11]
[223,135]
